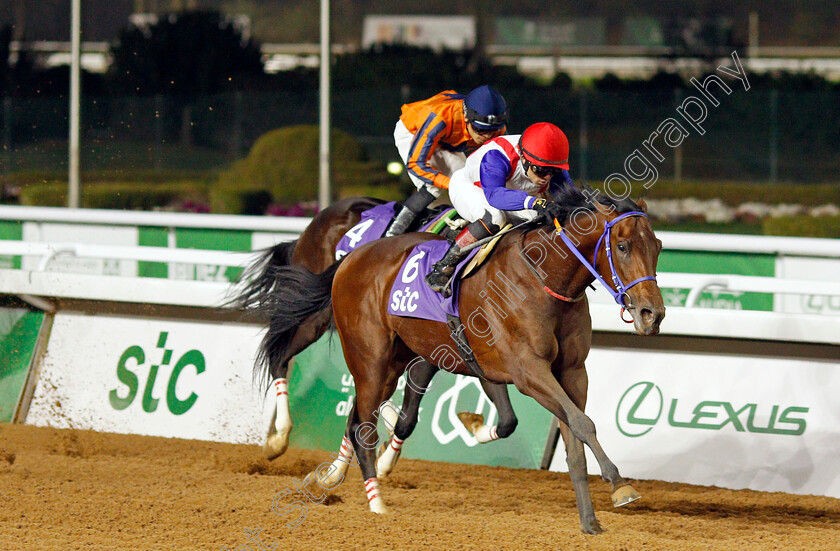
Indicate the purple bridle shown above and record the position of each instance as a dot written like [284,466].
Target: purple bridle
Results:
[621,289]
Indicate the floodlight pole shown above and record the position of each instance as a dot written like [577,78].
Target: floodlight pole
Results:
[75,55]
[324,123]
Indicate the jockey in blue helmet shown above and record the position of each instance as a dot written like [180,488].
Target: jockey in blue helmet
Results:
[434,137]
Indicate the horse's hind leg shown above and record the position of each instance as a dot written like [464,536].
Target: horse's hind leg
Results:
[375,382]
[277,439]
[498,394]
[418,376]
[335,473]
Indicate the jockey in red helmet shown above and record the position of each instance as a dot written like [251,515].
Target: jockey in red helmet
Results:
[509,176]
[434,137]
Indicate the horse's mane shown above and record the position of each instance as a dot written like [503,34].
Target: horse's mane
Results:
[571,198]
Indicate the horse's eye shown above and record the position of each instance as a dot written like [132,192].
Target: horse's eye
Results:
[622,248]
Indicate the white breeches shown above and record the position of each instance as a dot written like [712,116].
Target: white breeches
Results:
[470,202]
[447,162]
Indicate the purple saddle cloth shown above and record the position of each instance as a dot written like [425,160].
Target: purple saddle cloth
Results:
[373,224]
[411,297]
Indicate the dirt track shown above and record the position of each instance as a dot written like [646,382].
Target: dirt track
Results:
[66,489]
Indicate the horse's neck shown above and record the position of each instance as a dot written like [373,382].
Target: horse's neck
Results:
[565,274]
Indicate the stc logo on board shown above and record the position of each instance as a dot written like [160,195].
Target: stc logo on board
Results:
[643,405]
[131,367]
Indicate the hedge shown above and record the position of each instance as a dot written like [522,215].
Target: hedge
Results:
[118,195]
[284,163]
[736,193]
[802,226]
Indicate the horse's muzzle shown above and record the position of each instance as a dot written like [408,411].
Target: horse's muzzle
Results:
[647,314]
[649,320]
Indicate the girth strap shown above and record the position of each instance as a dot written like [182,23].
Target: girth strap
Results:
[456,329]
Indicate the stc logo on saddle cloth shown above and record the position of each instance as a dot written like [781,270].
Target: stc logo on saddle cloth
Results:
[642,406]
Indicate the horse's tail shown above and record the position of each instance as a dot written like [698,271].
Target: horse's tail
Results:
[260,277]
[298,297]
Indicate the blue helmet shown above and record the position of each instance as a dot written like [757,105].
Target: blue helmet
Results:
[485,108]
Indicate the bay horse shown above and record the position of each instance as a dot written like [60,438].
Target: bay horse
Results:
[314,250]
[539,342]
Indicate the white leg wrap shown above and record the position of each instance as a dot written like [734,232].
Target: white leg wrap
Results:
[390,414]
[339,466]
[486,434]
[385,463]
[374,500]
[283,422]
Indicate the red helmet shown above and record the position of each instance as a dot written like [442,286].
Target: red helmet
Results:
[544,144]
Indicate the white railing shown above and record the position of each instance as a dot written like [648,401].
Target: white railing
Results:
[696,283]
[109,217]
[762,244]
[48,251]
[796,246]
[699,283]
[38,288]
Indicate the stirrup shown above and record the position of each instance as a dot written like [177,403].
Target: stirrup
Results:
[435,280]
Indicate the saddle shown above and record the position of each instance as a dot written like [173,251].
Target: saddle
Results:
[483,253]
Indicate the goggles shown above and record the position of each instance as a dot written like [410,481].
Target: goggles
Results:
[543,171]
[485,123]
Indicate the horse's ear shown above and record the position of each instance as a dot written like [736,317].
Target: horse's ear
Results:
[642,205]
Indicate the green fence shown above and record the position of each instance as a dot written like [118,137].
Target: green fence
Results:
[703,262]
[19,330]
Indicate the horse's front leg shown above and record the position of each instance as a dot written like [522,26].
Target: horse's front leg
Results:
[498,394]
[575,382]
[536,380]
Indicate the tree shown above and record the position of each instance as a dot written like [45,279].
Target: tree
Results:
[190,53]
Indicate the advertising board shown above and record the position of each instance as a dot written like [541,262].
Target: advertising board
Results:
[731,421]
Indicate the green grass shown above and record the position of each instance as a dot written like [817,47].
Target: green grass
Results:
[704,227]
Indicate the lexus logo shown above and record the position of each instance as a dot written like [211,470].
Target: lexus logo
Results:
[639,409]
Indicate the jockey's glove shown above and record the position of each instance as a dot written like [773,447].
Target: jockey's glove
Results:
[546,209]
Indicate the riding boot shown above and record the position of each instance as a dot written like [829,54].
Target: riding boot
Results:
[414,205]
[401,222]
[442,271]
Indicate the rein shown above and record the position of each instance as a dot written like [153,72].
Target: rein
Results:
[481,242]
[549,291]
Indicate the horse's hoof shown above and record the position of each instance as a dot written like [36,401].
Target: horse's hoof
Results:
[309,479]
[313,482]
[593,528]
[472,421]
[275,445]
[378,506]
[624,495]
[384,465]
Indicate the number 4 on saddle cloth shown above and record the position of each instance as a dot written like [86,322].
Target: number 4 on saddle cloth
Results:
[410,296]
[375,221]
